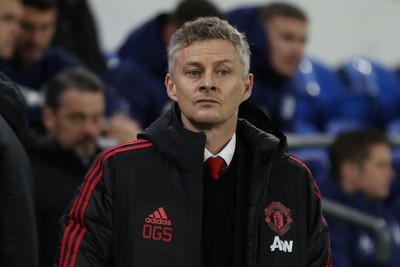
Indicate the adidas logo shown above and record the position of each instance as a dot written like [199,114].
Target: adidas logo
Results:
[158,217]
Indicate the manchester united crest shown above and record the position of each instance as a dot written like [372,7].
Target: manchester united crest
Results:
[277,216]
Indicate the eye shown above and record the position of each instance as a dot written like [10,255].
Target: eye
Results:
[223,72]
[194,73]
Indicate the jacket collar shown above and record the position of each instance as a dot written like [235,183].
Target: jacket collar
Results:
[185,148]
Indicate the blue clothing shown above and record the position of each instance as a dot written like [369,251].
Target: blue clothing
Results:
[301,103]
[34,77]
[274,93]
[146,95]
[53,61]
[139,76]
[145,45]
[353,246]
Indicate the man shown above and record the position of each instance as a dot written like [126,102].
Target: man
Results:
[18,236]
[152,203]
[34,62]
[73,116]
[77,33]
[277,33]
[140,75]
[10,14]
[362,173]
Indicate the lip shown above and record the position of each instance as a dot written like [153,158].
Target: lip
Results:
[206,101]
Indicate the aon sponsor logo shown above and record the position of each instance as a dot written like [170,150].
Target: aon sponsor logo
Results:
[282,245]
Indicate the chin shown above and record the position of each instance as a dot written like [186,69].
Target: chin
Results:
[87,151]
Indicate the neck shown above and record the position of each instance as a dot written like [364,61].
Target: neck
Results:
[216,141]
[217,136]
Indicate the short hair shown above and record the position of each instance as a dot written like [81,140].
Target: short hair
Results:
[273,10]
[188,10]
[354,146]
[41,4]
[208,28]
[75,78]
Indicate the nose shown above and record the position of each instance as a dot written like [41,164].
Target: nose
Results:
[208,83]
[91,128]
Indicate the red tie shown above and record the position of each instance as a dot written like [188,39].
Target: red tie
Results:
[214,166]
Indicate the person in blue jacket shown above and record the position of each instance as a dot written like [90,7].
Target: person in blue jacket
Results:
[34,62]
[362,173]
[143,60]
[277,34]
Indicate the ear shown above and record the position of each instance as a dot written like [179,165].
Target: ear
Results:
[49,119]
[248,87]
[171,88]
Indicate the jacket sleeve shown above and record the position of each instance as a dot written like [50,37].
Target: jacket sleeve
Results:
[87,228]
[319,249]
[18,236]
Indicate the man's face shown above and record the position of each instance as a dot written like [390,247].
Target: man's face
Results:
[78,121]
[376,174]
[10,15]
[38,28]
[287,38]
[209,84]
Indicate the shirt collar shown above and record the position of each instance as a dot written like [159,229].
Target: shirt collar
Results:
[226,153]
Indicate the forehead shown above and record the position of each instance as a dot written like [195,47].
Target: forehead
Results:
[73,98]
[8,6]
[379,151]
[35,15]
[282,22]
[209,50]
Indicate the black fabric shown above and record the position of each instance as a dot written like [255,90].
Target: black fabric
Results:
[57,174]
[18,236]
[77,33]
[163,170]
[13,107]
[219,218]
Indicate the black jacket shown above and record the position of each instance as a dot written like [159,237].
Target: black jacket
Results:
[141,203]
[18,237]
[57,174]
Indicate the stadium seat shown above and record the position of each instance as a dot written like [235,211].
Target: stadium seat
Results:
[317,90]
[371,94]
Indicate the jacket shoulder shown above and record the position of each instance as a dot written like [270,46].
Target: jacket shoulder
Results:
[124,148]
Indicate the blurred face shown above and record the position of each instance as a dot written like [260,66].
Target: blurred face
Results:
[38,28]
[78,121]
[208,84]
[10,15]
[376,174]
[287,38]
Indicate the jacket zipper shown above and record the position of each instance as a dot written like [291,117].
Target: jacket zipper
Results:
[258,211]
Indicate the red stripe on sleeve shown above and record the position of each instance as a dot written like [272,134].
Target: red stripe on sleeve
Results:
[85,194]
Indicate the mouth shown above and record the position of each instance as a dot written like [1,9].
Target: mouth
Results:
[206,101]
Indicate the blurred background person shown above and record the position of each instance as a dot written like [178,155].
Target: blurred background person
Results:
[277,33]
[73,117]
[362,174]
[139,76]
[77,33]
[34,62]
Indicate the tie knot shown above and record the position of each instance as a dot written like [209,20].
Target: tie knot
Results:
[214,166]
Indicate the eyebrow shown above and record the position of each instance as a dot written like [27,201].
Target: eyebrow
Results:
[198,64]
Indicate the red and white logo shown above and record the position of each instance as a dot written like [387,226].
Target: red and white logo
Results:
[277,216]
[157,226]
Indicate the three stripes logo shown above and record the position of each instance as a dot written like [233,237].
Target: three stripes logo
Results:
[157,226]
